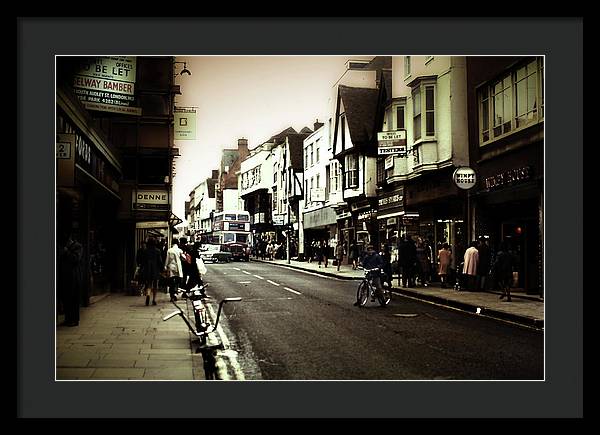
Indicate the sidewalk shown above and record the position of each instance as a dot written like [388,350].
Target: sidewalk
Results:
[526,310]
[120,338]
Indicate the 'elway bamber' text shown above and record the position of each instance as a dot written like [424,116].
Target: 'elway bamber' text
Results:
[88,82]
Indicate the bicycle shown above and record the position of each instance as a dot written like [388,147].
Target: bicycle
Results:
[201,329]
[367,289]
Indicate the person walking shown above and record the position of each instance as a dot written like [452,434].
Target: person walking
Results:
[484,263]
[151,267]
[70,279]
[339,253]
[407,253]
[502,270]
[174,269]
[444,258]
[386,256]
[471,261]
[423,262]
[354,255]
[324,251]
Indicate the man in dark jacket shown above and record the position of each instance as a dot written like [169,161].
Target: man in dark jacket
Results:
[407,258]
[371,260]
[70,279]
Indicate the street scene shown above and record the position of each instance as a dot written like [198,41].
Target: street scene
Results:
[311,218]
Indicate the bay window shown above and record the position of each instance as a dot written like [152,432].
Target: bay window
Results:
[351,171]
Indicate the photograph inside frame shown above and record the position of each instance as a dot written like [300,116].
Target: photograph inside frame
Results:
[300,218]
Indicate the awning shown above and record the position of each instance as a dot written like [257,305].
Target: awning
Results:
[320,217]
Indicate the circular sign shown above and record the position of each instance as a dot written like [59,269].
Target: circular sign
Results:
[464,177]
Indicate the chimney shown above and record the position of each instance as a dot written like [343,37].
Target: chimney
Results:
[215,174]
[243,148]
[317,125]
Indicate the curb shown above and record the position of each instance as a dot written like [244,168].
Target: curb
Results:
[471,308]
[463,306]
[320,272]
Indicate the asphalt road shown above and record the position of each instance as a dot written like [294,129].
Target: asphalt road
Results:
[298,326]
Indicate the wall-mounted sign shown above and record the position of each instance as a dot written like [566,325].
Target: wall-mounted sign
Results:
[107,84]
[278,219]
[317,194]
[185,123]
[508,177]
[389,162]
[65,159]
[464,177]
[343,215]
[391,142]
[155,200]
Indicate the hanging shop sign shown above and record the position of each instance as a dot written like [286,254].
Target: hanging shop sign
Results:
[278,219]
[343,215]
[389,162]
[185,123]
[391,142]
[464,177]
[152,200]
[107,84]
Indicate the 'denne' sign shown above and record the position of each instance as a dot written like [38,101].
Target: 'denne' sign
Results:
[464,177]
[150,200]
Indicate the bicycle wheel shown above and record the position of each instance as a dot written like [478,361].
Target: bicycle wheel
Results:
[362,294]
[386,298]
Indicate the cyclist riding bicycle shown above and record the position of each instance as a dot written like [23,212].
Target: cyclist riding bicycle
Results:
[371,260]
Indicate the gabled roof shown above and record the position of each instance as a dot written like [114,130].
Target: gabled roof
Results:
[360,105]
[296,142]
[281,136]
[210,186]
[379,62]
[306,130]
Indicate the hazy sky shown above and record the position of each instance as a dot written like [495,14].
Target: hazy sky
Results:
[252,97]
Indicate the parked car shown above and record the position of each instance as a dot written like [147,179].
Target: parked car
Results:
[239,251]
[215,253]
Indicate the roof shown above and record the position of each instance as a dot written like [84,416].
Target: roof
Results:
[360,105]
[296,142]
[210,186]
[379,62]
[281,136]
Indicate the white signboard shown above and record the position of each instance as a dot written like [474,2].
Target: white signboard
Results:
[185,123]
[317,194]
[389,162]
[278,219]
[464,177]
[158,200]
[107,84]
[391,142]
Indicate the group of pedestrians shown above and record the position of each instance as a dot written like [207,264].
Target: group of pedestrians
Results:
[179,266]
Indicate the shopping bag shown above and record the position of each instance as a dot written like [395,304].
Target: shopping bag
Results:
[201,267]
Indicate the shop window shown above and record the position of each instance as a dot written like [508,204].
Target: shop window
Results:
[351,171]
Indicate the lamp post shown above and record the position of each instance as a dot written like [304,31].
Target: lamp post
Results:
[287,189]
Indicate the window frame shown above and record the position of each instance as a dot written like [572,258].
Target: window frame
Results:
[484,103]
[351,174]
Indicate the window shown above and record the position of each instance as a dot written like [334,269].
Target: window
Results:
[501,106]
[429,111]
[351,171]
[526,94]
[514,101]
[406,66]
[343,130]
[311,155]
[417,114]
[380,170]
[334,183]
[274,198]
[423,98]
[400,118]
[317,151]
[312,186]
[306,157]
[275,173]
[306,191]
[318,181]
[327,181]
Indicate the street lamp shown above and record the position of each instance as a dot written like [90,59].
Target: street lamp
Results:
[184,70]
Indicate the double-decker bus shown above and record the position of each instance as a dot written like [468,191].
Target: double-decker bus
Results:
[231,226]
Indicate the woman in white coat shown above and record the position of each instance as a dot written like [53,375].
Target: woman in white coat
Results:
[173,268]
[470,267]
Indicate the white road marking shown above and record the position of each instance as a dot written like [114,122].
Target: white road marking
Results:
[274,283]
[247,273]
[236,268]
[244,282]
[293,291]
[259,277]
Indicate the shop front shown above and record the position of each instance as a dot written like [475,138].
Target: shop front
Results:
[438,209]
[364,220]
[321,225]
[509,207]
[88,196]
